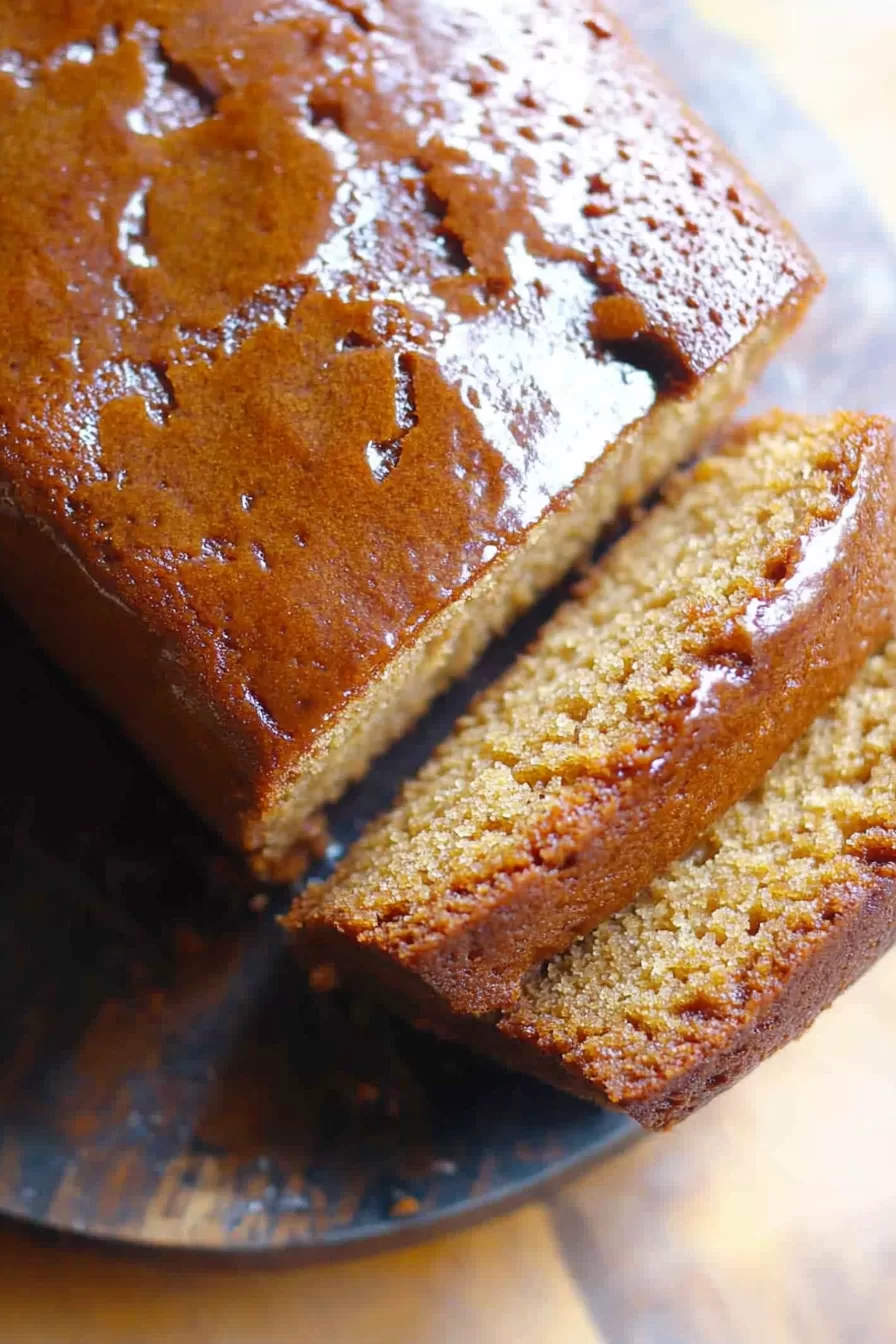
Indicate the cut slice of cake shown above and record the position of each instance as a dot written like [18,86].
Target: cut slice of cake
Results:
[699,649]
[737,948]
[333,334]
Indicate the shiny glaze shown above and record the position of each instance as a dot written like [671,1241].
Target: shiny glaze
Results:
[314,308]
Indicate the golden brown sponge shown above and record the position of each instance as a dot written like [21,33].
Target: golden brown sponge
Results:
[699,649]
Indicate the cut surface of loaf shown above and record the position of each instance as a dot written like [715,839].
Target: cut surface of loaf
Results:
[700,647]
[735,949]
[333,334]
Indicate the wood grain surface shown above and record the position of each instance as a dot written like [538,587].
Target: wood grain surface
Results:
[769,1217]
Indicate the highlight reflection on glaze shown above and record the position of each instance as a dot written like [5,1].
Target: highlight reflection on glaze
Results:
[288,220]
[818,554]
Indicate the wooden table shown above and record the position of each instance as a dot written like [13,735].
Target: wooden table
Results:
[769,1218]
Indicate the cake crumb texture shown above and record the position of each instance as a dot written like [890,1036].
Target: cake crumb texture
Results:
[701,646]
[670,1001]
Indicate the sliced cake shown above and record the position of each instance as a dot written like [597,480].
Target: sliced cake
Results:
[698,650]
[333,334]
[735,949]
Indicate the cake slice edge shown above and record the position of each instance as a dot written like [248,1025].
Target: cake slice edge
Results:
[851,925]
[405,891]
[657,1078]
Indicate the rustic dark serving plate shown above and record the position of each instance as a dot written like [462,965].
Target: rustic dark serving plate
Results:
[166,1073]
[166,1076]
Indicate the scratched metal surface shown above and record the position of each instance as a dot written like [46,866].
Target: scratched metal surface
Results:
[166,1077]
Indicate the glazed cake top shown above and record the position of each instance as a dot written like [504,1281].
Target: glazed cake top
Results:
[312,308]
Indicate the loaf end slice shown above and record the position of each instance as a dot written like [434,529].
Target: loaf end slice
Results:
[698,650]
[738,947]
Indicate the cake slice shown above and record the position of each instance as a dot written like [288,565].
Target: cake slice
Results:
[333,334]
[699,649]
[735,949]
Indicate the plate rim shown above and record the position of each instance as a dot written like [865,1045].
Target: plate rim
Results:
[353,1241]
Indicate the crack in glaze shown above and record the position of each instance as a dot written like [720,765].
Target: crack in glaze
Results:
[25,72]
[150,380]
[270,305]
[125,306]
[132,229]
[366,16]
[175,98]
[384,456]
[455,249]
[80,415]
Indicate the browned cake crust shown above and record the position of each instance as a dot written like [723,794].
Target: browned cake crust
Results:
[770,1008]
[525,830]
[294,300]
[725,958]
[827,963]
[796,901]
